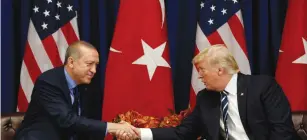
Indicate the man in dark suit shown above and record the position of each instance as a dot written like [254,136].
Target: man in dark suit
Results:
[233,106]
[55,111]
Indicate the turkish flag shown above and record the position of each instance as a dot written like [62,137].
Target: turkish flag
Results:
[291,70]
[138,72]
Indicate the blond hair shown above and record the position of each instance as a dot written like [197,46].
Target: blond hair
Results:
[218,55]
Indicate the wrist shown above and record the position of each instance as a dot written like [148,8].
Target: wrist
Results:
[112,127]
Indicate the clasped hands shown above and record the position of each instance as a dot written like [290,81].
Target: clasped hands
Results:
[124,131]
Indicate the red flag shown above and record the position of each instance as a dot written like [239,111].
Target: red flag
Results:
[292,62]
[138,73]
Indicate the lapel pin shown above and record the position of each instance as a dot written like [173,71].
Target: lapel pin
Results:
[241,94]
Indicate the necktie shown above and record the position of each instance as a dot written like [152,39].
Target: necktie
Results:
[75,107]
[224,103]
[76,104]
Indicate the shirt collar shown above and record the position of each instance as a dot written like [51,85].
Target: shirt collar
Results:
[71,83]
[231,87]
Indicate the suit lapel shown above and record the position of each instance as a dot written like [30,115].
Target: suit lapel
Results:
[83,90]
[241,96]
[64,86]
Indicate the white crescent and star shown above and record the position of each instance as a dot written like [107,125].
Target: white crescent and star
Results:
[303,58]
[114,50]
[162,5]
[152,58]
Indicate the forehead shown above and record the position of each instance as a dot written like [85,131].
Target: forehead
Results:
[90,54]
[202,64]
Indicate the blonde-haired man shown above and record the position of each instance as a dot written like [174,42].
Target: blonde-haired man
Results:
[233,106]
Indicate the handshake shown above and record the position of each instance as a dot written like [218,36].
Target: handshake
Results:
[124,131]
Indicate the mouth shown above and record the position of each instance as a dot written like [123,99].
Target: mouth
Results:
[204,82]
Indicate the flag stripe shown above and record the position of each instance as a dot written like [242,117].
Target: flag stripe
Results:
[215,38]
[29,61]
[201,40]
[239,16]
[26,82]
[74,25]
[52,51]
[60,43]
[196,51]
[22,101]
[238,32]
[69,33]
[38,50]
[192,98]
[196,82]
[234,48]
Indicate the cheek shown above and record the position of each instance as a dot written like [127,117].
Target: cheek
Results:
[205,75]
[208,77]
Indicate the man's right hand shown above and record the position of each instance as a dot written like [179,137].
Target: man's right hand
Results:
[123,131]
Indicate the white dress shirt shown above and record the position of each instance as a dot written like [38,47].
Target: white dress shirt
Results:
[235,127]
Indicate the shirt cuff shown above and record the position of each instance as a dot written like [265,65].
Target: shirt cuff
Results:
[146,134]
[106,130]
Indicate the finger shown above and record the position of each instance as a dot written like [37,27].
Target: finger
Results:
[117,133]
[137,131]
[122,121]
[121,134]
[130,133]
[124,136]
[127,138]
[135,135]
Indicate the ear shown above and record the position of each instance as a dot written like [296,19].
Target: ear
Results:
[220,71]
[70,62]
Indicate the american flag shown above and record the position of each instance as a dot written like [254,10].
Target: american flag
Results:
[52,27]
[220,22]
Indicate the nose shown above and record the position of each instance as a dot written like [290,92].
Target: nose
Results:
[199,72]
[93,69]
[200,75]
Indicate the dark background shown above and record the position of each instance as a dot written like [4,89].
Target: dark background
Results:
[263,23]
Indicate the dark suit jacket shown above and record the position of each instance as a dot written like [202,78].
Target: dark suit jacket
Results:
[263,107]
[50,115]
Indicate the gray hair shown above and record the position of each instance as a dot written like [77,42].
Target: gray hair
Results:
[74,51]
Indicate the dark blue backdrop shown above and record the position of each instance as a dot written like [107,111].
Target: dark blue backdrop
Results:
[263,22]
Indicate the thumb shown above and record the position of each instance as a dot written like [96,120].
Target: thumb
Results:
[136,130]
[122,122]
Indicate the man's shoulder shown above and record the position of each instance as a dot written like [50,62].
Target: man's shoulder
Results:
[262,77]
[52,75]
[258,82]
[258,78]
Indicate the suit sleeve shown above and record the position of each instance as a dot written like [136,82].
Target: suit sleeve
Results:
[189,129]
[278,112]
[52,100]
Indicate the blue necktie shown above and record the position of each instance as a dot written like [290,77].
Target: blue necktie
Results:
[76,104]
[75,107]
[224,103]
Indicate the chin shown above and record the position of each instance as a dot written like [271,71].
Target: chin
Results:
[86,81]
[209,88]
